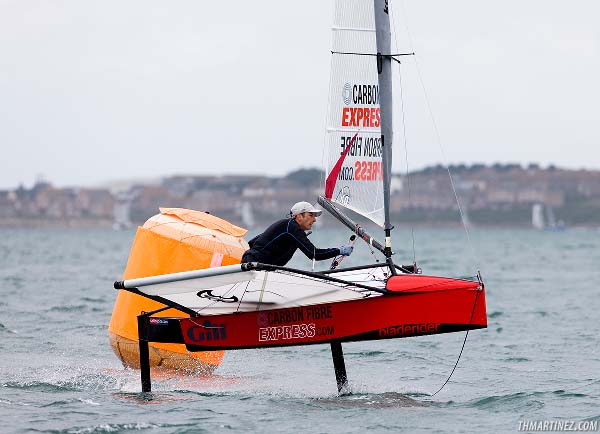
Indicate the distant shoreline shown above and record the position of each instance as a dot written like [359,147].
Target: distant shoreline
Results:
[31,223]
[490,196]
[108,224]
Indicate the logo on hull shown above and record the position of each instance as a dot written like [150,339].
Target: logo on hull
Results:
[409,330]
[207,331]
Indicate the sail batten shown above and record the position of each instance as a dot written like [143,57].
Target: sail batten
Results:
[354,29]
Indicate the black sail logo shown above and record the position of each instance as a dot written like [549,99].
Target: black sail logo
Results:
[347,93]
[207,293]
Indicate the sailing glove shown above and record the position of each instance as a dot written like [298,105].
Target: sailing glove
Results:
[346,250]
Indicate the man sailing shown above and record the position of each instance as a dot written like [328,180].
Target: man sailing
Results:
[278,243]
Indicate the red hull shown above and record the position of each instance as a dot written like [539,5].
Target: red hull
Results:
[447,308]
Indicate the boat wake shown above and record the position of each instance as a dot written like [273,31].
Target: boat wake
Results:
[375,400]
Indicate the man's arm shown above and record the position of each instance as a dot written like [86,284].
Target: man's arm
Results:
[309,248]
[251,242]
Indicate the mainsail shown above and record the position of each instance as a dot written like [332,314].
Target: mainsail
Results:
[354,164]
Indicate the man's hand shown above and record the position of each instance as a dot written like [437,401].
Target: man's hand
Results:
[346,250]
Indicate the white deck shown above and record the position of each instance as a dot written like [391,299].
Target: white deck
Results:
[260,290]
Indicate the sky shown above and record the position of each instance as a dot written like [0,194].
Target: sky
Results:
[97,91]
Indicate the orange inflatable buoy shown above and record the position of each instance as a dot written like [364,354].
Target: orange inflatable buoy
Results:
[175,240]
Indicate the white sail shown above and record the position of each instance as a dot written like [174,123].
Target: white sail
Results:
[542,217]
[354,168]
[537,216]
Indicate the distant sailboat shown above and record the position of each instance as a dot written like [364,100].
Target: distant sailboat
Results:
[247,215]
[121,212]
[542,218]
[466,220]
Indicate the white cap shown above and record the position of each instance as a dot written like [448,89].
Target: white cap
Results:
[301,207]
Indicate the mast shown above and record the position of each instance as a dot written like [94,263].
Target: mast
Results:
[384,70]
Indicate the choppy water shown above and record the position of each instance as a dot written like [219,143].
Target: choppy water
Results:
[539,358]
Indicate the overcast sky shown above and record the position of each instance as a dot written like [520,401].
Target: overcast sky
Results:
[94,91]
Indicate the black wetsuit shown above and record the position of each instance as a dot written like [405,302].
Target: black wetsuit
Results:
[277,245]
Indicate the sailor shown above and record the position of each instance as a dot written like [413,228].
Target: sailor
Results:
[277,244]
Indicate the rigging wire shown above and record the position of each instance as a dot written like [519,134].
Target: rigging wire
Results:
[439,142]
[412,228]
[440,145]
[463,344]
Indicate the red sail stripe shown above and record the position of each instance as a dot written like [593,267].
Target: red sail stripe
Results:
[333,176]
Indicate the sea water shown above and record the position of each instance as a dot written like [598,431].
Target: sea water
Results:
[538,360]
